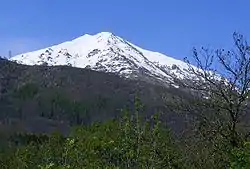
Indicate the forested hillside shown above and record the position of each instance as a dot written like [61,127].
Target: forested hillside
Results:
[41,98]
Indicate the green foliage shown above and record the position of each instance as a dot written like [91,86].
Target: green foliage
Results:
[240,158]
[125,143]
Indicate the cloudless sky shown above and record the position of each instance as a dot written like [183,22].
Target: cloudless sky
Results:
[172,27]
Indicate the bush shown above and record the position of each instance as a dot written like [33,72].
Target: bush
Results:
[241,157]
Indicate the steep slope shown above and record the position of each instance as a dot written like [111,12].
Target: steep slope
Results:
[107,53]
[42,98]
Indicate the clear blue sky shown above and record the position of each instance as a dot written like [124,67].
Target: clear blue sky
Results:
[172,27]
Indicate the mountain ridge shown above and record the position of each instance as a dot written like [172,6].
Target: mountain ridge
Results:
[107,52]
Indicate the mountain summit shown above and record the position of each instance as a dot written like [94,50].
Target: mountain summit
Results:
[106,52]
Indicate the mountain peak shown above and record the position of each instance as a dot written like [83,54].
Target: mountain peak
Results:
[105,34]
[106,52]
[104,38]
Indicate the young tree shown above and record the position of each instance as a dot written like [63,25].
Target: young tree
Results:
[221,80]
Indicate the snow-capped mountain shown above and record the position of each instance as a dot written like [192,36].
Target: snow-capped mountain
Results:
[108,53]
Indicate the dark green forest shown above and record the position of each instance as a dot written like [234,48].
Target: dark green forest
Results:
[63,117]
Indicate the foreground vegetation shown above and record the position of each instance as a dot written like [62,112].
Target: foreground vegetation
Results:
[129,142]
[125,143]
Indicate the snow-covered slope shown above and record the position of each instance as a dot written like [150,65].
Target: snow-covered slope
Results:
[106,52]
